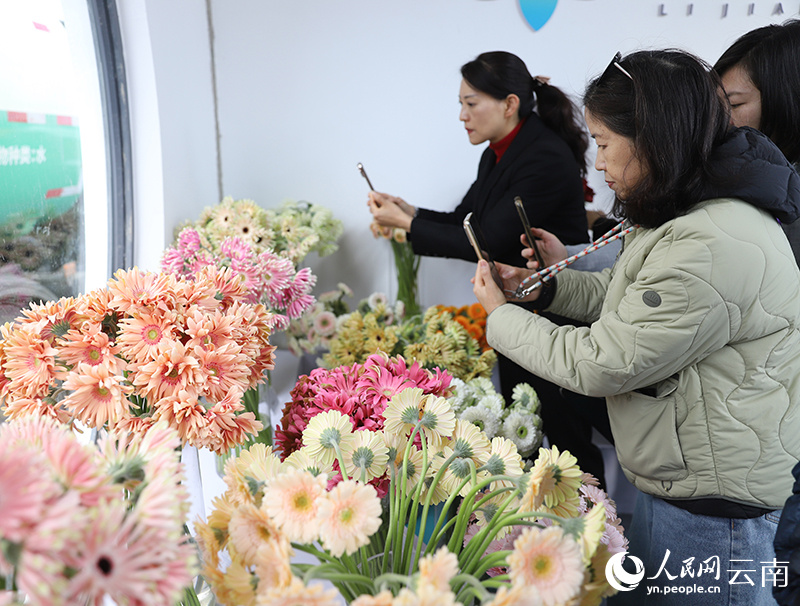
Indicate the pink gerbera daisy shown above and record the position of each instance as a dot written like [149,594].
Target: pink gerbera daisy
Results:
[25,488]
[89,345]
[224,368]
[293,499]
[549,560]
[348,517]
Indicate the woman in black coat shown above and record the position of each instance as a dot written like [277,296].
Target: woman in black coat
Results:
[536,151]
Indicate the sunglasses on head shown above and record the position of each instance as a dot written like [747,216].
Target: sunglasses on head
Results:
[614,64]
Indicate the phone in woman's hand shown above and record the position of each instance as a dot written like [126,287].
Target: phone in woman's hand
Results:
[528,234]
[481,251]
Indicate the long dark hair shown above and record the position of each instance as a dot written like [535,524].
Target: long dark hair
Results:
[669,104]
[770,56]
[499,74]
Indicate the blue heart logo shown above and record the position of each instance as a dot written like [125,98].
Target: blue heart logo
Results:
[537,12]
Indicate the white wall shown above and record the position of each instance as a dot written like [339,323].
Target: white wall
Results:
[308,88]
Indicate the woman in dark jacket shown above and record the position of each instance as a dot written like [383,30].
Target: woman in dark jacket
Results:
[536,151]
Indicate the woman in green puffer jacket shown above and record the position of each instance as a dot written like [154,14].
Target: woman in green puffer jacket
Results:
[694,335]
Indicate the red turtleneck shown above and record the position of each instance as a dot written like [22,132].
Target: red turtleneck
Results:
[501,146]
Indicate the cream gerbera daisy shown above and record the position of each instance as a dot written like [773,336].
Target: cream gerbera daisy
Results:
[365,456]
[384,598]
[434,414]
[502,460]
[594,525]
[539,481]
[516,595]
[325,433]
[550,561]
[564,498]
[348,517]
[249,527]
[292,503]
[273,567]
[438,569]
[300,459]
[297,593]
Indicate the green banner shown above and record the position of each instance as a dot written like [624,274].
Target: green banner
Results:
[40,168]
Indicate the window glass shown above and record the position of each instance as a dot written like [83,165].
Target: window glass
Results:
[45,100]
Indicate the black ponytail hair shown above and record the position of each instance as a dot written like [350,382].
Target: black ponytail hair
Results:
[499,74]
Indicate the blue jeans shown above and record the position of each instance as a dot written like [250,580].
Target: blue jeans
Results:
[699,560]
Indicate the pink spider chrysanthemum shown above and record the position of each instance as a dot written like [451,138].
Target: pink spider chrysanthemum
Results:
[98,395]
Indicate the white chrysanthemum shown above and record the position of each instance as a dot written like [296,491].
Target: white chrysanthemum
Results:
[482,386]
[520,428]
[525,398]
[365,456]
[494,402]
[483,418]
[377,299]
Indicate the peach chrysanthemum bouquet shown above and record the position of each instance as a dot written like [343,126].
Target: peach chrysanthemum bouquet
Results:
[148,347]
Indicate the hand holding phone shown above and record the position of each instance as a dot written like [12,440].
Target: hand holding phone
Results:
[528,234]
[476,239]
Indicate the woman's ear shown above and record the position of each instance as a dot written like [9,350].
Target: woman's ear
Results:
[512,106]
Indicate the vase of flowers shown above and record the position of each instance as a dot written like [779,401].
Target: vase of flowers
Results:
[83,523]
[350,495]
[406,265]
[433,339]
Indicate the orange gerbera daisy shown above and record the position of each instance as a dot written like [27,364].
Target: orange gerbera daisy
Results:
[134,290]
[14,407]
[29,361]
[98,396]
[209,330]
[141,336]
[223,369]
[174,369]
[183,412]
[59,316]
[89,345]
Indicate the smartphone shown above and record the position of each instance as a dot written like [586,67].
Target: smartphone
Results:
[481,251]
[528,234]
[360,168]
